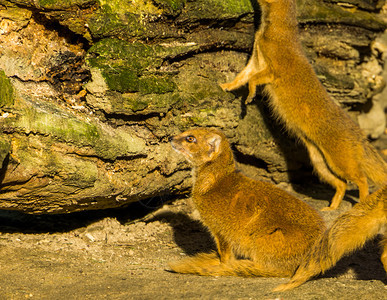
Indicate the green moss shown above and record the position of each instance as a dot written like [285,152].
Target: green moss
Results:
[149,102]
[171,6]
[135,7]
[6,91]
[73,171]
[5,148]
[122,18]
[156,84]
[107,23]
[56,123]
[47,120]
[121,79]
[115,52]
[62,4]
[132,67]
[131,104]
[220,9]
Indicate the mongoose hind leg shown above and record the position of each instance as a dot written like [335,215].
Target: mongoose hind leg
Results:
[224,249]
[362,184]
[340,186]
[326,174]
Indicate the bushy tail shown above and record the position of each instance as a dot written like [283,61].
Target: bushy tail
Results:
[349,232]
[374,166]
[208,264]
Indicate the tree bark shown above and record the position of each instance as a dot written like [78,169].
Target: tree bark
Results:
[91,91]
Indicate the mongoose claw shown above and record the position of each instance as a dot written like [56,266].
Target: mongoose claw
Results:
[249,99]
[225,86]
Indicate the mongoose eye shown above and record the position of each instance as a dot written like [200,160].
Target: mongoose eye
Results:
[190,139]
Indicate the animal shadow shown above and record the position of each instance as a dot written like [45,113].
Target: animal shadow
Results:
[189,234]
[363,264]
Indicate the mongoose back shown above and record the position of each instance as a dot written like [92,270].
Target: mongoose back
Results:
[348,233]
[337,147]
[259,229]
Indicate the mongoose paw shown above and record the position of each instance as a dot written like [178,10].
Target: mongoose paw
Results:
[249,99]
[225,86]
[328,208]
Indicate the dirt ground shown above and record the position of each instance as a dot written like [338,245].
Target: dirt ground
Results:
[115,254]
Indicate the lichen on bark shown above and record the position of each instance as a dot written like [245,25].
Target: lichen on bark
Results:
[6,91]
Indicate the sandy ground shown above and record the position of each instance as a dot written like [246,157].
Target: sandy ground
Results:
[115,254]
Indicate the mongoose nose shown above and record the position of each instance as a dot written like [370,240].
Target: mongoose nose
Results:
[170,139]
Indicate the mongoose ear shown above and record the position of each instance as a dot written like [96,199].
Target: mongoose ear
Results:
[214,142]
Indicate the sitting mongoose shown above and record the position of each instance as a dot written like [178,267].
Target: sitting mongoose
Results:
[338,149]
[259,229]
[348,233]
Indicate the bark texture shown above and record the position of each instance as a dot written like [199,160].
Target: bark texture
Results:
[91,91]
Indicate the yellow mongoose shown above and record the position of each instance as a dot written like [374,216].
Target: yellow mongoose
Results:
[349,232]
[337,147]
[259,229]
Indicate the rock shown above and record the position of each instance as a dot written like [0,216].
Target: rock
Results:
[91,91]
[373,121]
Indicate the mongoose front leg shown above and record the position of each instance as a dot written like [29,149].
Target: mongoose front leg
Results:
[224,249]
[256,65]
[242,78]
[263,77]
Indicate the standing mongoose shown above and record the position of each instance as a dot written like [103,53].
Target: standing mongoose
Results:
[349,232]
[337,147]
[259,229]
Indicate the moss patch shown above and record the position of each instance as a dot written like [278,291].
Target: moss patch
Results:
[220,9]
[171,6]
[63,4]
[134,67]
[50,121]
[122,18]
[5,147]
[153,84]
[107,23]
[6,91]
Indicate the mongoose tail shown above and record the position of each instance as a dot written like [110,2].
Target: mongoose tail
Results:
[348,233]
[208,264]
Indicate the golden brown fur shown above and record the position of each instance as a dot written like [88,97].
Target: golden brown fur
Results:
[337,147]
[259,229]
[349,232]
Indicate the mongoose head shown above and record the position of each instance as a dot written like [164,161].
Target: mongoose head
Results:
[200,145]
